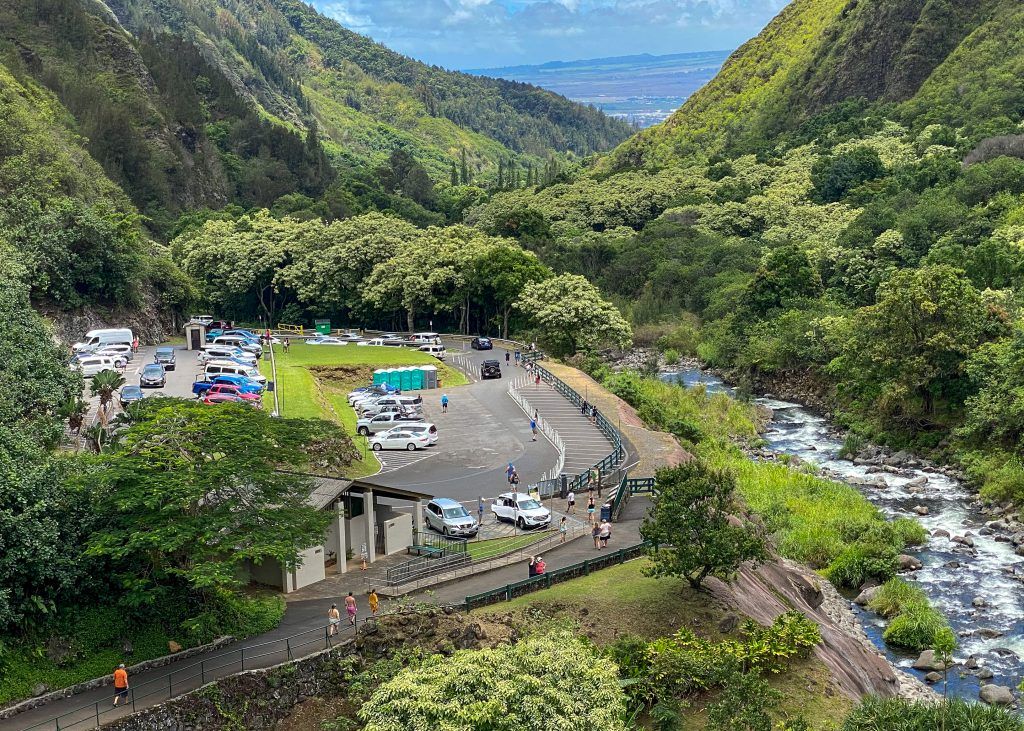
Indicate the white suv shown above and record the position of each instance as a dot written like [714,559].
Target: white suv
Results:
[521,509]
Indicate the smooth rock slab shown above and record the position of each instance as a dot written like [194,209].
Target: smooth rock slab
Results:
[996,695]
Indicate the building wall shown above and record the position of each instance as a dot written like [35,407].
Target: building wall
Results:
[397,532]
[311,570]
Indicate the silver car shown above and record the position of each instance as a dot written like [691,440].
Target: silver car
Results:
[450,518]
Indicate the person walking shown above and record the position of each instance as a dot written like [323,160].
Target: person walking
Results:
[507,356]
[350,607]
[563,528]
[135,344]
[518,356]
[591,507]
[333,620]
[533,428]
[536,380]
[593,413]
[514,480]
[120,684]
[605,533]
[570,502]
[595,533]
[374,602]
[480,510]
[584,407]
[508,472]
[444,403]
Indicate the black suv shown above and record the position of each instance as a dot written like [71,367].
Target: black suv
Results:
[480,343]
[490,369]
[165,357]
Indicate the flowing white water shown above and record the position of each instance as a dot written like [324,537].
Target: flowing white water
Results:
[986,571]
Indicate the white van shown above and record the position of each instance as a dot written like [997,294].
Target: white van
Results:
[217,367]
[425,338]
[93,364]
[108,336]
[437,351]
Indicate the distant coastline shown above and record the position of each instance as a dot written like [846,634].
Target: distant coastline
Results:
[643,89]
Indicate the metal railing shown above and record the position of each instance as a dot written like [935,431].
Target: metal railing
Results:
[545,428]
[556,576]
[187,678]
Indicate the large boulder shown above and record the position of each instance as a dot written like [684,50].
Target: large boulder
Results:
[996,695]
[928,661]
[865,597]
[907,562]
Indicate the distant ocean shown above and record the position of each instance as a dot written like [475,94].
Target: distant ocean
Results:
[643,89]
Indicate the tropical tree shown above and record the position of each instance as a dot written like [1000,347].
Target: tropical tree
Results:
[501,274]
[693,528]
[193,492]
[104,385]
[554,681]
[570,315]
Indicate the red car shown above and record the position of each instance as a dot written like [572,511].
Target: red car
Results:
[230,389]
[226,398]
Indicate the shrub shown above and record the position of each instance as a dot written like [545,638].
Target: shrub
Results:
[671,357]
[895,596]
[896,713]
[746,704]
[915,624]
[852,445]
[857,563]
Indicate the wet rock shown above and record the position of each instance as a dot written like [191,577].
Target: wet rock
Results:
[865,597]
[979,602]
[996,525]
[918,481]
[933,677]
[1003,652]
[873,469]
[907,562]
[996,695]
[985,532]
[988,633]
[971,663]
[940,533]
[1017,538]
[1002,539]
[951,565]
[963,540]
[1019,550]
[928,661]
[985,674]
[900,458]
[921,510]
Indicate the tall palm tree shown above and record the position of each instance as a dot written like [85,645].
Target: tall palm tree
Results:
[105,384]
[73,410]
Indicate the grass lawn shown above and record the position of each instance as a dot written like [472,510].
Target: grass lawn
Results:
[313,381]
[620,601]
[490,547]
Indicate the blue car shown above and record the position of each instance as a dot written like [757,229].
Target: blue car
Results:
[243,384]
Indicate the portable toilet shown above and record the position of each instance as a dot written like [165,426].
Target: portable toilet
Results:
[415,379]
[380,376]
[407,379]
[429,376]
[395,378]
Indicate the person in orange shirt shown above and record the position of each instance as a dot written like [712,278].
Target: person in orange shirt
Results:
[120,684]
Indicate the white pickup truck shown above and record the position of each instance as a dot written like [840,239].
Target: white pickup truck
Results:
[383,422]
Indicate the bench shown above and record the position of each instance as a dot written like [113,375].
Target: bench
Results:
[426,551]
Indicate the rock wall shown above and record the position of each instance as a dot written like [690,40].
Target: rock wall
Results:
[259,699]
[150,321]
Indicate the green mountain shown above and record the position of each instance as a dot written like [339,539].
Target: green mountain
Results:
[947,61]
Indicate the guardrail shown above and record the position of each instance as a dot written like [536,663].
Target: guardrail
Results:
[556,576]
[546,429]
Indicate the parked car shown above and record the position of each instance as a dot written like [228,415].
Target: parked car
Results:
[521,509]
[116,350]
[120,359]
[239,341]
[351,337]
[93,364]
[373,341]
[153,375]
[437,351]
[165,357]
[371,393]
[105,336]
[418,427]
[384,421]
[326,341]
[218,388]
[490,369]
[449,517]
[222,398]
[399,439]
[425,338]
[479,343]
[226,367]
[226,352]
[130,394]
[243,384]
[377,406]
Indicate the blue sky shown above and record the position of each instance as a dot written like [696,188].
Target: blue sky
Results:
[484,33]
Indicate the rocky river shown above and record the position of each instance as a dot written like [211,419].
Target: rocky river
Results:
[970,567]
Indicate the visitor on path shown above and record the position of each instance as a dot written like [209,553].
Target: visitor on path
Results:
[444,403]
[514,480]
[563,528]
[508,472]
[570,502]
[135,344]
[507,356]
[480,510]
[533,347]
[540,566]
[584,407]
[593,413]
[120,684]
[533,428]
[374,602]
[364,557]
[532,567]
[287,344]
[595,533]
[536,380]
[350,607]
[605,533]
[518,356]
[591,507]
[333,620]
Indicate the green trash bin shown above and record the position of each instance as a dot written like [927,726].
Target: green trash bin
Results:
[323,326]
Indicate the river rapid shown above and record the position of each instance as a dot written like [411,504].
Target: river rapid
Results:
[956,577]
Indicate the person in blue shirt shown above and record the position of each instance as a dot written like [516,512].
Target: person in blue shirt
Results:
[444,403]
[533,428]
